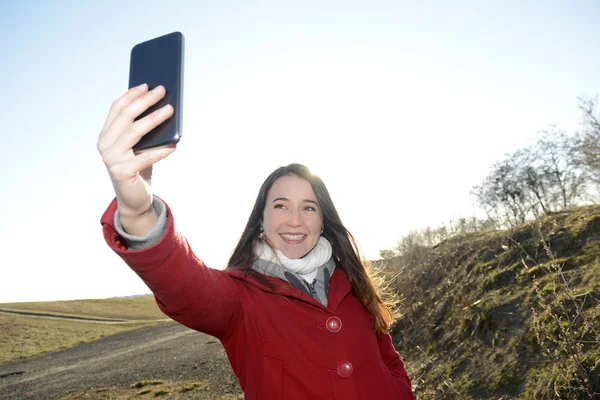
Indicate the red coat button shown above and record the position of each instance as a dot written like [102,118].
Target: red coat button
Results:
[333,324]
[344,369]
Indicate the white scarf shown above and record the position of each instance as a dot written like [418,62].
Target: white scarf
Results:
[318,256]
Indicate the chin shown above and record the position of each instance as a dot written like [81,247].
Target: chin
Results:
[295,253]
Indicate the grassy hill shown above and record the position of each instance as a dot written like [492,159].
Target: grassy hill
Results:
[23,336]
[505,314]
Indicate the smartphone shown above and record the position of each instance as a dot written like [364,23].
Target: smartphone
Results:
[159,61]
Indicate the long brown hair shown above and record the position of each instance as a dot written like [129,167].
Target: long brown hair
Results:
[344,246]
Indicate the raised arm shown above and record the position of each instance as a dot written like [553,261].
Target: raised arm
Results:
[131,174]
[185,289]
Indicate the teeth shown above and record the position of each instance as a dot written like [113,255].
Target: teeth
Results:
[293,237]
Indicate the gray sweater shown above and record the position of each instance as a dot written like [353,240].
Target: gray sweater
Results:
[155,234]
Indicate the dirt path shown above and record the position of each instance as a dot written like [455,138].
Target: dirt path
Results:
[167,351]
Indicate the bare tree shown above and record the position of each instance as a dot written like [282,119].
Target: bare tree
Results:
[553,157]
[534,180]
[542,178]
[503,194]
[387,254]
[588,138]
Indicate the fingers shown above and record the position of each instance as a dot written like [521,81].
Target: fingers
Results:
[125,110]
[141,162]
[141,104]
[141,127]
[123,101]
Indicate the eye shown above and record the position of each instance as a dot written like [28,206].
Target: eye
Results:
[310,208]
[279,205]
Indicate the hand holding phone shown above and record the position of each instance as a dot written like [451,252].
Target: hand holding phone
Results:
[157,127]
[160,61]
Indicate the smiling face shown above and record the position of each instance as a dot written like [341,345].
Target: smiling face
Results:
[292,218]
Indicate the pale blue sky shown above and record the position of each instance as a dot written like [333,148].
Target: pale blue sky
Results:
[400,106]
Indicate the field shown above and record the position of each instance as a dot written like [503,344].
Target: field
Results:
[27,336]
[133,308]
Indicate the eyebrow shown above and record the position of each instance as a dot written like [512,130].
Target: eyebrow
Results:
[286,199]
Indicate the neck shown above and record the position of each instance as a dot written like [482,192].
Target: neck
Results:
[315,258]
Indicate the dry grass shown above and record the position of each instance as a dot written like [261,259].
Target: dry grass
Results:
[133,308]
[468,330]
[23,337]
[155,389]
[26,336]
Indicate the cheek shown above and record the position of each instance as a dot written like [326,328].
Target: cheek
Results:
[270,221]
[315,225]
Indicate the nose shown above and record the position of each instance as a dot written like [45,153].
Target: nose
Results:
[294,218]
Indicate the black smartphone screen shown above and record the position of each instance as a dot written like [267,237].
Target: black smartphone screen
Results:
[160,62]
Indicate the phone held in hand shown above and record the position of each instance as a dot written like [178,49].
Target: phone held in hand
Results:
[160,62]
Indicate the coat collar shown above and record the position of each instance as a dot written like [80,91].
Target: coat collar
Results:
[339,287]
[320,285]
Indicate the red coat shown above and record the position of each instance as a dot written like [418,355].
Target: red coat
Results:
[280,346]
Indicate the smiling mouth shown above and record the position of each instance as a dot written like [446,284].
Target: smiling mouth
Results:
[292,239]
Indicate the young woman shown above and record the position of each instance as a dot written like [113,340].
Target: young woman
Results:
[295,309]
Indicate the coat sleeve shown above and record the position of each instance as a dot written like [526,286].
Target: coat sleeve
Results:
[392,360]
[185,289]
